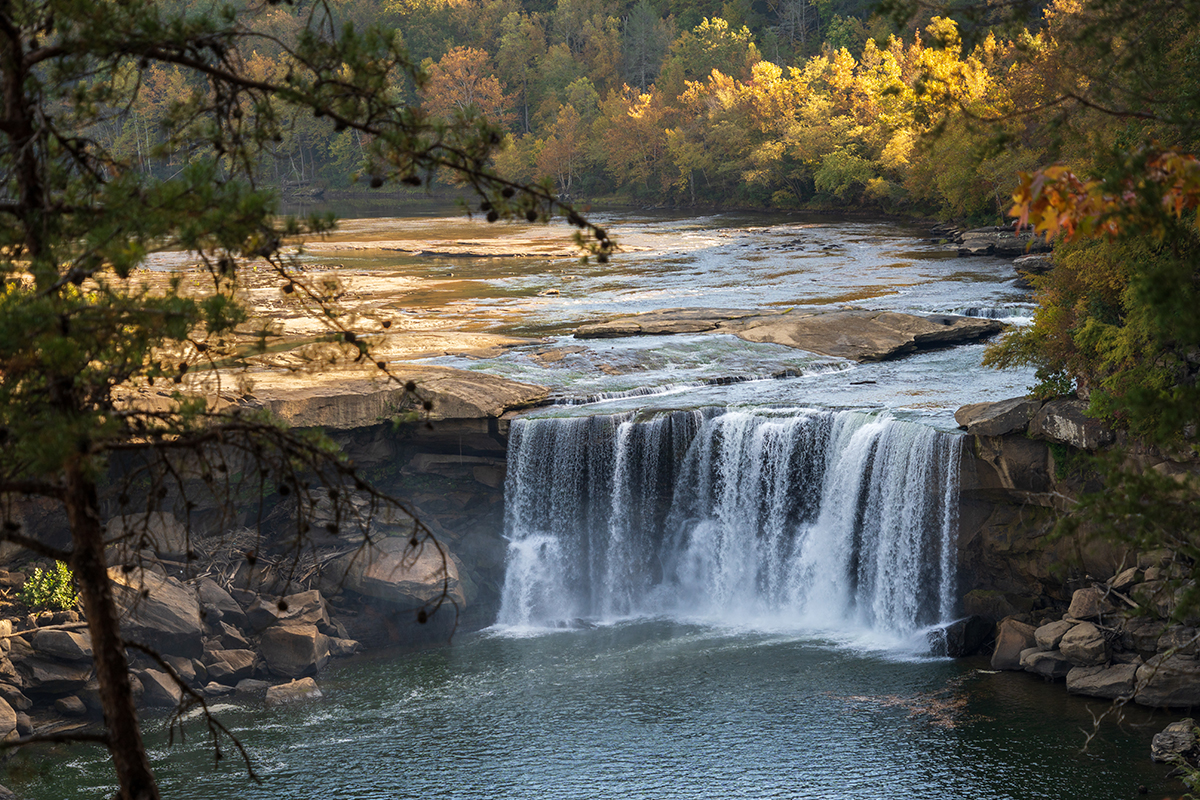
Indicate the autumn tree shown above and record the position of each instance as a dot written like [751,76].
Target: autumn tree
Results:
[81,328]
[464,81]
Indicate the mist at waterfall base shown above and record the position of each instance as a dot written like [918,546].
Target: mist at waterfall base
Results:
[758,518]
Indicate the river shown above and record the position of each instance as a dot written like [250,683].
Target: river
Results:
[720,583]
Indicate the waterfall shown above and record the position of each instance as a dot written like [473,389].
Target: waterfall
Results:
[814,517]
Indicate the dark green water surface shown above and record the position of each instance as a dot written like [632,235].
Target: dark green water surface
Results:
[650,709]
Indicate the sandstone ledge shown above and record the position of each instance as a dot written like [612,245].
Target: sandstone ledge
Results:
[344,399]
[858,335]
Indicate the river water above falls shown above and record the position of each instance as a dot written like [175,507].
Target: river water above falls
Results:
[721,582]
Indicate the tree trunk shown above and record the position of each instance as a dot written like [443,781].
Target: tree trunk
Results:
[132,765]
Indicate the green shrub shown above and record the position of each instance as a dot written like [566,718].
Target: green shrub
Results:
[52,589]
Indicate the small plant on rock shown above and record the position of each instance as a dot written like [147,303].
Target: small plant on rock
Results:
[53,588]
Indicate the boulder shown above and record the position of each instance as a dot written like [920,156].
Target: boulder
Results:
[159,690]
[304,608]
[158,611]
[1169,681]
[1180,638]
[1084,645]
[211,594]
[262,613]
[24,725]
[1157,596]
[8,722]
[1050,664]
[1177,740]
[1012,637]
[1125,579]
[231,638]
[999,418]
[292,651]
[391,571]
[184,668]
[1089,604]
[229,666]
[50,676]
[15,697]
[70,706]
[1049,635]
[1065,422]
[340,648]
[64,645]
[156,531]
[217,690]
[965,637]
[1109,683]
[302,689]
[1031,265]
[251,685]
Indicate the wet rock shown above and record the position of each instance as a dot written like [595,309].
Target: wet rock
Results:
[159,690]
[663,321]
[302,689]
[1049,635]
[70,706]
[214,689]
[1050,664]
[64,645]
[1169,681]
[1100,681]
[1084,645]
[251,686]
[158,611]
[341,648]
[292,651]
[1012,637]
[1089,604]
[1177,740]
[999,418]
[966,637]
[1064,421]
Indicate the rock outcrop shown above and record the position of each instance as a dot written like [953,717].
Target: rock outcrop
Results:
[1001,240]
[859,335]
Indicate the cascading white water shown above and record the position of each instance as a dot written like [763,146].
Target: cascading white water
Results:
[816,517]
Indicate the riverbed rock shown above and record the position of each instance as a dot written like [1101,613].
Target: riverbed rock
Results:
[1012,637]
[1100,681]
[1065,422]
[1030,266]
[863,335]
[304,608]
[158,611]
[1001,240]
[301,689]
[1125,579]
[1169,681]
[64,645]
[1084,645]
[1050,664]
[15,697]
[1049,635]
[1177,740]
[344,399]
[663,321]
[999,418]
[392,571]
[293,651]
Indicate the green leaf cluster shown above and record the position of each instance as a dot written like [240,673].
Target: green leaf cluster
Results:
[50,589]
